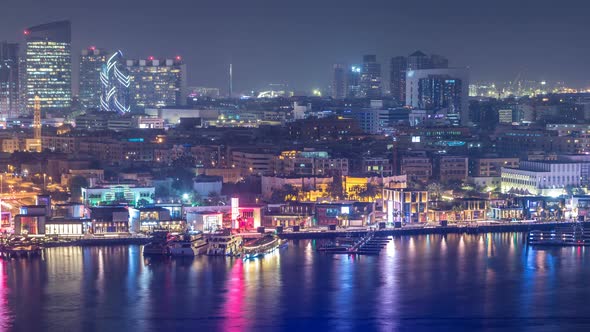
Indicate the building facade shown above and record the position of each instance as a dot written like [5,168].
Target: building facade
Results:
[9,80]
[92,60]
[371,77]
[339,81]
[115,85]
[446,88]
[157,83]
[49,65]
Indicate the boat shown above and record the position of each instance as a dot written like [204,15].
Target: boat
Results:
[158,245]
[574,235]
[224,243]
[262,246]
[199,243]
[181,245]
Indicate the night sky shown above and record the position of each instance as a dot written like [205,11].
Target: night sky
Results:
[296,42]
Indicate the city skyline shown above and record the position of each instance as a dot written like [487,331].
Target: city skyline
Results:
[265,47]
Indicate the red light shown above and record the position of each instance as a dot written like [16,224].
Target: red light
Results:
[92,48]
[151,58]
[27,32]
[178,58]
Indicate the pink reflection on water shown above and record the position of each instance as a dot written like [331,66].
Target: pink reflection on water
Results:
[233,306]
[5,318]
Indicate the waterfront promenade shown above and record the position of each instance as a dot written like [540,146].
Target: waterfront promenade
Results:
[471,228]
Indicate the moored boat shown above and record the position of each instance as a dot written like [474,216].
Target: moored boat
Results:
[224,243]
[262,246]
[158,245]
[181,245]
[564,236]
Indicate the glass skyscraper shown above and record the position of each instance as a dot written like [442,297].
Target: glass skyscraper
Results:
[157,83]
[8,79]
[49,65]
[91,61]
[371,77]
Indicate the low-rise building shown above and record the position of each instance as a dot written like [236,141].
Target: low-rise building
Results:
[115,193]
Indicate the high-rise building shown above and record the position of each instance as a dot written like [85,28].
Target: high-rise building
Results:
[91,61]
[8,79]
[443,88]
[371,77]
[339,82]
[353,82]
[415,61]
[114,85]
[49,65]
[156,83]
[399,65]
[22,84]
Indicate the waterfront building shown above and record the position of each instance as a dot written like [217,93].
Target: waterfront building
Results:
[405,205]
[310,187]
[115,85]
[157,83]
[49,65]
[109,219]
[92,60]
[371,77]
[9,80]
[459,210]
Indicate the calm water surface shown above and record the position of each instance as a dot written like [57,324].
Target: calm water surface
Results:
[454,282]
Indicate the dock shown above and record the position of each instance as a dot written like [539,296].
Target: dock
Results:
[369,244]
[18,251]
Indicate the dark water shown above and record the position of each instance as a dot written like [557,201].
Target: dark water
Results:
[453,282]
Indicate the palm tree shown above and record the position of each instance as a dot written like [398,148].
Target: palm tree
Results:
[435,190]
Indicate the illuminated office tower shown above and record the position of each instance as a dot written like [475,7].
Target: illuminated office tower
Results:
[371,77]
[49,65]
[157,83]
[441,88]
[91,61]
[8,79]
[114,82]
[353,82]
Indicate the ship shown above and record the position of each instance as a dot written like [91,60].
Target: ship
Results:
[158,245]
[224,243]
[573,235]
[262,246]
[187,244]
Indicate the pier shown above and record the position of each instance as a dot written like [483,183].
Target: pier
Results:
[368,244]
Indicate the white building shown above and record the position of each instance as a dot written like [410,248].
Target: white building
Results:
[546,178]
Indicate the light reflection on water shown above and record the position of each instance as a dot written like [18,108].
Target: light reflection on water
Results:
[482,281]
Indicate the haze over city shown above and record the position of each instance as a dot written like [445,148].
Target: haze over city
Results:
[297,42]
[230,165]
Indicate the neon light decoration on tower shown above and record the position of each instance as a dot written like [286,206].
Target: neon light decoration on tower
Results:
[115,86]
